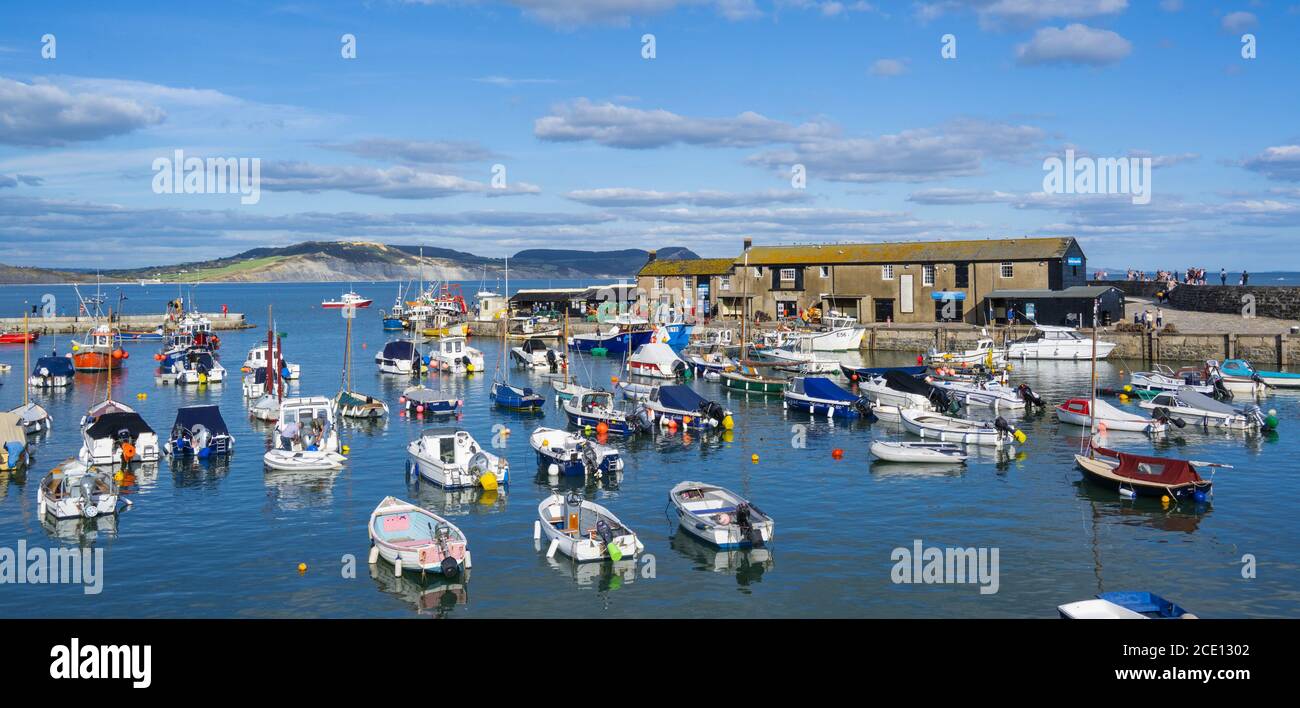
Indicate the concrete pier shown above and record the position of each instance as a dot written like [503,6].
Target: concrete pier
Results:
[141,323]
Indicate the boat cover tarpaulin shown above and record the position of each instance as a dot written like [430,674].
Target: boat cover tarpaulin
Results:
[1156,470]
[534,345]
[401,350]
[681,398]
[823,388]
[109,424]
[900,381]
[1204,402]
[207,416]
[423,395]
[56,365]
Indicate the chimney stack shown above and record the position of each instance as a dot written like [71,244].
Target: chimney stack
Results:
[652,256]
[748,243]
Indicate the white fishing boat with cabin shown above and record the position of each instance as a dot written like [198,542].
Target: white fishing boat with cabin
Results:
[452,459]
[1052,342]
[74,490]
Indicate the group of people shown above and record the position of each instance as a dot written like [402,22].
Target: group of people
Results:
[1191,276]
[1148,319]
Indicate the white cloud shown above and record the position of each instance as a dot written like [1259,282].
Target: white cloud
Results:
[1281,162]
[1021,13]
[568,13]
[626,127]
[1073,44]
[622,197]
[510,82]
[1239,21]
[391,183]
[889,67]
[44,115]
[416,152]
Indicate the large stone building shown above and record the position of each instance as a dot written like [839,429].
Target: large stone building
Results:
[918,281]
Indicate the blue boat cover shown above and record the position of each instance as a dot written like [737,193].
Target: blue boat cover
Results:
[401,350]
[679,397]
[56,365]
[207,416]
[823,388]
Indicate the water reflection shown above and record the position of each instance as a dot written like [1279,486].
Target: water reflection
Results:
[458,502]
[747,564]
[434,595]
[292,490]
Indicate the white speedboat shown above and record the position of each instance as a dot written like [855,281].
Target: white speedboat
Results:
[1051,342]
[901,390]
[981,354]
[583,530]
[454,355]
[990,394]
[74,490]
[113,432]
[1206,412]
[452,459]
[797,355]
[1201,379]
[1076,411]
[306,436]
[932,426]
[656,360]
[399,357]
[536,354]
[720,517]
[925,452]
[196,366]
[414,539]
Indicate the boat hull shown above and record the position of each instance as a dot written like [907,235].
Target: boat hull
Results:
[738,382]
[1102,473]
[95,361]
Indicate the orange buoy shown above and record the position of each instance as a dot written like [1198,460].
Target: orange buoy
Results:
[837,453]
[602,428]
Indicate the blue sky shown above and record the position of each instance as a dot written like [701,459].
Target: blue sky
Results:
[603,148]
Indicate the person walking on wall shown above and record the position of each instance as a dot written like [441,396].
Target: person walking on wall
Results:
[1160,318]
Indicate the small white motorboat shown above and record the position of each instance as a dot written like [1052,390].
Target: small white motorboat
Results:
[1162,378]
[987,393]
[257,360]
[1124,604]
[399,357]
[414,539]
[51,372]
[195,366]
[33,418]
[583,530]
[421,400]
[1075,411]
[454,355]
[901,390]
[720,517]
[797,355]
[1051,342]
[983,352]
[74,490]
[452,459]
[656,360]
[937,452]
[932,426]
[305,437]
[537,354]
[113,432]
[1206,412]
[593,407]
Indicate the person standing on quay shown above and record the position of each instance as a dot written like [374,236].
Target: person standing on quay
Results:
[1160,318]
[1223,276]
[1245,277]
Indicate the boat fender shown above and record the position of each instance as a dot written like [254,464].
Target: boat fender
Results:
[374,554]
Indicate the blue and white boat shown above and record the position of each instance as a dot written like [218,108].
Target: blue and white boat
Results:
[420,400]
[819,395]
[515,398]
[1242,369]
[52,372]
[592,407]
[720,517]
[560,452]
[399,357]
[864,373]
[1125,604]
[679,335]
[624,334]
[199,431]
[681,405]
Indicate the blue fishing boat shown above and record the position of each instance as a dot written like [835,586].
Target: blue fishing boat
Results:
[624,335]
[679,335]
[592,407]
[563,453]
[867,372]
[1241,369]
[199,431]
[1124,604]
[819,395]
[515,398]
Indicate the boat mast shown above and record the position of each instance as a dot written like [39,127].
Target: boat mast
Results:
[27,335]
[1092,388]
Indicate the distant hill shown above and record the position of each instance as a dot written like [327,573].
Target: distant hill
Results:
[320,261]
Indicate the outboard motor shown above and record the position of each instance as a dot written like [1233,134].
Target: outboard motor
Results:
[746,525]
[604,532]
[714,411]
[942,402]
[639,421]
[450,568]
[862,405]
[1163,415]
[1028,396]
[590,462]
[1221,392]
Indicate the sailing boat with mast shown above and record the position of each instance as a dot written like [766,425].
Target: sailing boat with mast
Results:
[267,406]
[745,375]
[566,388]
[504,394]
[349,403]
[33,418]
[1137,475]
[112,432]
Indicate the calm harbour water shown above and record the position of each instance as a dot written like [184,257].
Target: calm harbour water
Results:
[226,542]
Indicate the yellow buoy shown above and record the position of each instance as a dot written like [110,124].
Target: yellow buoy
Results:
[117,476]
[546,442]
[302,567]
[488,481]
[469,368]
[346,449]
[754,458]
[1128,388]
[1123,397]
[1020,437]
[1164,499]
[728,423]
[76,348]
[203,378]
[686,420]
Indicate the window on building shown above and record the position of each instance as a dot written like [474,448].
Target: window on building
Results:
[1006,271]
[927,275]
[758,271]
[826,271]
[886,272]
[787,275]
[660,282]
[961,274]
[724,283]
